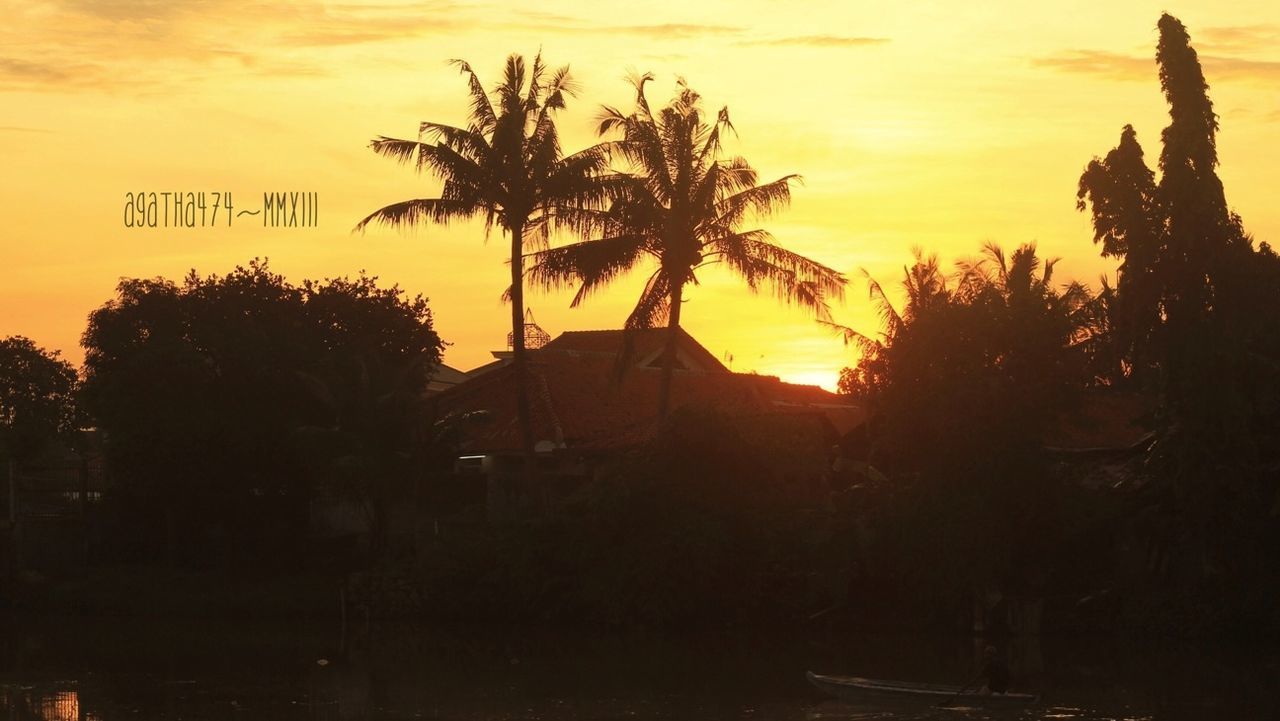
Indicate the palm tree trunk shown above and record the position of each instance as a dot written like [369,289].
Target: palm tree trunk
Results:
[669,353]
[518,358]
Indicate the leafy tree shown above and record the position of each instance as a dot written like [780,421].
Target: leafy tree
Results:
[1188,298]
[198,388]
[37,397]
[1127,221]
[507,167]
[363,442]
[1196,304]
[966,380]
[684,208]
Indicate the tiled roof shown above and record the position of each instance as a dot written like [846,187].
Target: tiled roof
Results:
[578,401]
[644,343]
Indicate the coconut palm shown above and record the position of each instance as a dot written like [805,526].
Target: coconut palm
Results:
[506,167]
[925,287]
[684,208]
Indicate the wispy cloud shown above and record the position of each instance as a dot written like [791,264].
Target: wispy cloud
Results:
[360,24]
[1241,68]
[1239,38]
[673,31]
[546,22]
[822,41]
[1116,66]
[20,129]
[1113,66]
[147,45]
[64,73]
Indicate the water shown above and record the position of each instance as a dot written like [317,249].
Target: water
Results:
[55,669]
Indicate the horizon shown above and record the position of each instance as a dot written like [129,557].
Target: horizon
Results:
[927,140]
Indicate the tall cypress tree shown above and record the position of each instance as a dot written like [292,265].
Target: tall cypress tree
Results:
[1181,249]
[1201,240]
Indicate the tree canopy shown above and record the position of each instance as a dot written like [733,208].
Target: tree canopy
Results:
[684,207]
[507,167]
[201,384]
[37,397]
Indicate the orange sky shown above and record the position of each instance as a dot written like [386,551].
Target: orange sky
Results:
[934,124]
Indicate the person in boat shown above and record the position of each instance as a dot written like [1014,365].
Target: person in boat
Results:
[994,672]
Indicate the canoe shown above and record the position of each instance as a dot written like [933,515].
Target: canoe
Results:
[852,688]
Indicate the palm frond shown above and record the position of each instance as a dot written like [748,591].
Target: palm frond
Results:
[892,319]
[412,212]
[593,263]
[867,345]
[654,305]
[468,143]
[483,118]
[401,151]
[761,200]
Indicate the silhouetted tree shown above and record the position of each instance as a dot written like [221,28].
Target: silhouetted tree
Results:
[1196,303]
[1127,220]
[684,208]
[37,398]
[1183,297]
[197,386]
[506,167]
[966,381]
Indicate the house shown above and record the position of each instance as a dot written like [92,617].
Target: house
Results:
[443,378]
[594,394]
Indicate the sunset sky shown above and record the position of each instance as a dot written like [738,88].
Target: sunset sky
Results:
[933,124]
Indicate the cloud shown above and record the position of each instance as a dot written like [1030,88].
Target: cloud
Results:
[360,24]
[22,74]
[823,41]
[1115,66]
[667,31]
[146,45]
[1240,68]
[19,129]
[132,10]
[1238,39]
[540,21]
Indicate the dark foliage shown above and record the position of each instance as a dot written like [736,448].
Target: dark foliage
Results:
[683,206]
[37,398]
[507,167]
[701,527]
[202,386]
[966,382]
[1200,303]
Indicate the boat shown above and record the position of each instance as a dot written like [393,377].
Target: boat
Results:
[853,688]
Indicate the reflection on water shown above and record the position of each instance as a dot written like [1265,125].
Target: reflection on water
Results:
[43,704]
[55,670]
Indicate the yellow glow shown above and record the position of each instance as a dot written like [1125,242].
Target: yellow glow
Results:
[931,124]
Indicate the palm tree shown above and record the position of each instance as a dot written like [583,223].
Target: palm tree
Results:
[506,166]
[926,289]
[683,208]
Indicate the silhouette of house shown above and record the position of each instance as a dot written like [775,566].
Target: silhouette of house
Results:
[594,394]
[443,378]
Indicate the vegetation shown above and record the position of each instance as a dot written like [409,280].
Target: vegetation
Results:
[976,368]
[970,377]
[683,206]
[507,167]
[230,403]
[37,398]
[206,390]
[1197,314]
[697,529]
